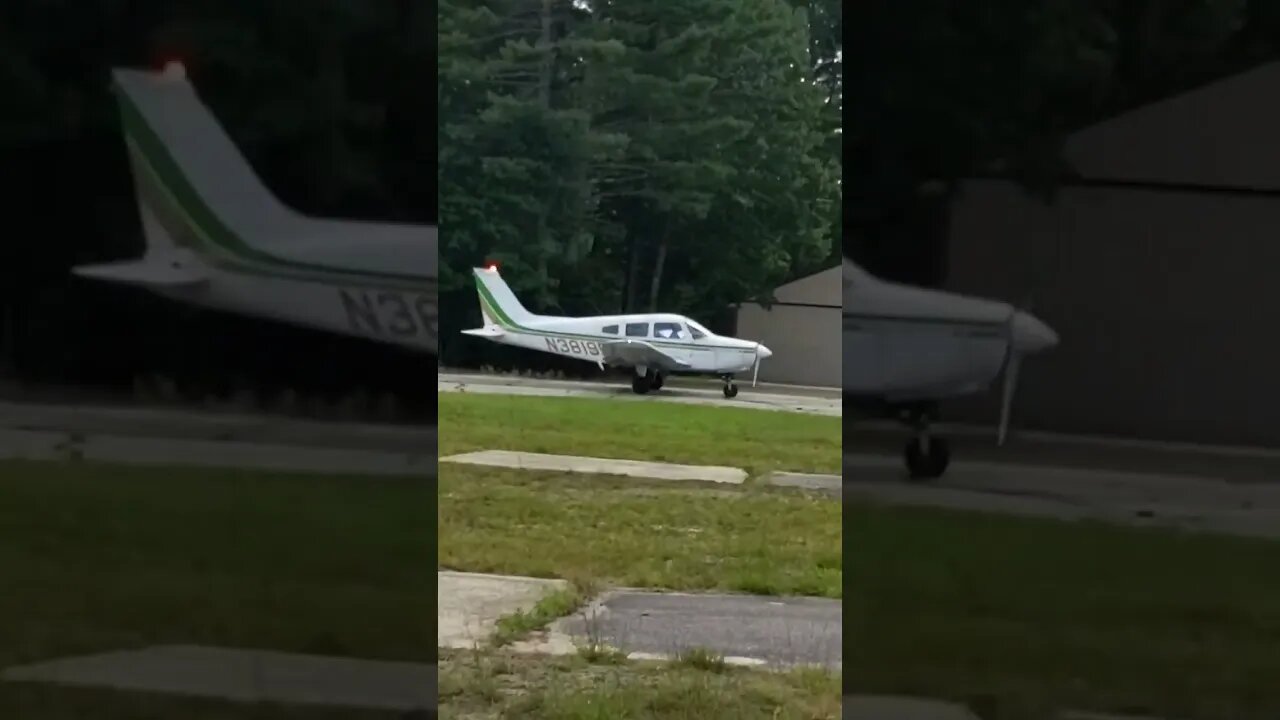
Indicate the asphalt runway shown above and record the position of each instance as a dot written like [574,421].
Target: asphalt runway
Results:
[169,437]
[777,631]
[817,401]
[1150,498]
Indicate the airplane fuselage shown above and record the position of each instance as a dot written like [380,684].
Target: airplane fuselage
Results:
[359,307]
[582,338]
[896,360]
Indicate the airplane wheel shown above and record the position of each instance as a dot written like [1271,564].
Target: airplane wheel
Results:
[730,390]
[639,384]
[931,466]
[657,382]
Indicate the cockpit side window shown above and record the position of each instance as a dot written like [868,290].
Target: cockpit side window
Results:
[637,329]
[669,331]
[610,329]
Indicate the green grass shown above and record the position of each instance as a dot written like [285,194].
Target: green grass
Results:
[595,530]
[755,440]
[554,605]
[98,558]
[495,686]
[1032,615]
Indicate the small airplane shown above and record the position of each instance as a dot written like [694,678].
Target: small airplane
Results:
[216,237]
[906,348]
[655,345]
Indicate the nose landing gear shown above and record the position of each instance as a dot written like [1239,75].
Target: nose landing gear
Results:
[730,388]
[926,456]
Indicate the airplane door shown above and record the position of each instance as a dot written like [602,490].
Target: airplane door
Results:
[698,353]
[675,339]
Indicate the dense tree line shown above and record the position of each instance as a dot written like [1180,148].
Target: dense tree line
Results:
[627,156]
[946,90]
[330,100]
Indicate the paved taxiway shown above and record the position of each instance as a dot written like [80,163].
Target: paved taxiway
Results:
[818,401]
[766,630]
[155,436]
[1153,497]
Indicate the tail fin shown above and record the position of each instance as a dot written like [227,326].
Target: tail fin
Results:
[197,191]
[184,161]
[498,304]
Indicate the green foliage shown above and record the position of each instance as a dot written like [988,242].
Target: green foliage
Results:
[621,155]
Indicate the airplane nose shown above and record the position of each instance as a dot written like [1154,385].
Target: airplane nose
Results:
[763,351]
[1030,335]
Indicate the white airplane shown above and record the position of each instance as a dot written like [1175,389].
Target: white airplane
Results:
[907,348]
[654,344]
[216,237]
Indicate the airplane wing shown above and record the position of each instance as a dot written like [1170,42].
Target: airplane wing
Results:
[629,353]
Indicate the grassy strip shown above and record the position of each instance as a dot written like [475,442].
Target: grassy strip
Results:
[100,557]
[1027,616]
[490,685]
[755,440]
[597,531]
[553,606]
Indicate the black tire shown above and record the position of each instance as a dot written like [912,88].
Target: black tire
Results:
[640,384]
[730,390]
[657,382]
[927,467]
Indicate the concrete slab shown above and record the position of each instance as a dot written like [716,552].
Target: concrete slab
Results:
[750,628]
[470,604]
[600,466]
[246,676]
[46,445]
[825,402]
[831,484]
[1173,500]
[884,707]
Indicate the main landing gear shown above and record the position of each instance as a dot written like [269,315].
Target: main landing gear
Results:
[730,388]
[650,380]
[926,456]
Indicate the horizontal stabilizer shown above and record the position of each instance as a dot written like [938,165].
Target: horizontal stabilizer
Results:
[486,332]
[147,274]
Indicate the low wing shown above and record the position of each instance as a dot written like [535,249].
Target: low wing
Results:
[629,353]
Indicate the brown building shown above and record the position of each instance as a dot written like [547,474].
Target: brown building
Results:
[1158,269]
[802,329]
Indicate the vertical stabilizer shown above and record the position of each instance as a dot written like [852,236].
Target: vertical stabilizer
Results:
[498,304]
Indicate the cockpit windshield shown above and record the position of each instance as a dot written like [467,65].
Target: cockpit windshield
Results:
[697,330]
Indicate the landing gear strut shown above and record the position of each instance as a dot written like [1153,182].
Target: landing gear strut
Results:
[926,456]
[730,389]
